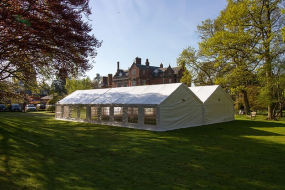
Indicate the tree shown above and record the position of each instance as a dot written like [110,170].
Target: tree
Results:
[96,80]
[77,84]
[197,68]
[248,37]
[44,38]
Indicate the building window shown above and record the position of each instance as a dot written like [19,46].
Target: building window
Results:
[82,112]
[133,115]
[94,113]
[133,72]
[155,72]
[105,113]
[134,83]
[143,82]
[169,80]
[118,114]
[150,116]
[118,84]
[143,72]
[125,84]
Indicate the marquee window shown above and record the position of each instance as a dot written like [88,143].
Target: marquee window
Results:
[133,114]
[105,114]
[83,112]
[118,114]
[150,116]
[94,112]
[73,111]
[66,112]
[58,111]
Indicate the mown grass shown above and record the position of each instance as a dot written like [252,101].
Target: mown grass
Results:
[38,152]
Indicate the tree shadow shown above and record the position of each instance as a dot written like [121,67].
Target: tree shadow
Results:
[49,154]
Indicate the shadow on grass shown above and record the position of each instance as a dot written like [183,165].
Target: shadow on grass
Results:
[40,152]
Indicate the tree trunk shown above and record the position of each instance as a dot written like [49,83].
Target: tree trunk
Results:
[280,108]
[267,58]
[245,100]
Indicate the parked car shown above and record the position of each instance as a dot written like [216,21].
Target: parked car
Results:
[14,107]
[30,107]
[2,107]
[41,106]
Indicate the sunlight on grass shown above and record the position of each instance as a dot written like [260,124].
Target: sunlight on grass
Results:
[39,152]
[278,135]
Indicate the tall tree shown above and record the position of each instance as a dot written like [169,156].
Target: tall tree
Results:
[198,69]
[78,84]
[44,37]
[249,37]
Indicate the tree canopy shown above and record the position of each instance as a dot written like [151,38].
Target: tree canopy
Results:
[45,38]
[244,40]
[78,84]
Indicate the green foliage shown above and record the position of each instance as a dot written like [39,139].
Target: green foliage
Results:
[44,39]
[51,103]
[78,84]
[242,41]
[39,152]
[197,68]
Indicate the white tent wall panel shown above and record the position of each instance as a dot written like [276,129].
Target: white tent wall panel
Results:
[175,117]
[176,110]
[218,106]
[218,113]
[196,115]
[213,114]
[219,96]
[230,113]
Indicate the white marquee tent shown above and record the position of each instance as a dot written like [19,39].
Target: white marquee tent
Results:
[155,107]
[218,106]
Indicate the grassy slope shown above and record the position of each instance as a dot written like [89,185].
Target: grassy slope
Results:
[38,152]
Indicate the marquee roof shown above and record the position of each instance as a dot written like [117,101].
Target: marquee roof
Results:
[152,94]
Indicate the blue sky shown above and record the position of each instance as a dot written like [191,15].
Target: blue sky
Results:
[155,29]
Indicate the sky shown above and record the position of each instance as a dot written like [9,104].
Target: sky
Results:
[157,30]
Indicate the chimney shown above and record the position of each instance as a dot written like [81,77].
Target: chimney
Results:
[118,65]
[110,79]
[105,81]
[161,65]
[146,62]
[138,60]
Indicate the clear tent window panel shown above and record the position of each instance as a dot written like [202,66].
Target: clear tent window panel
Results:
[105,113]
[150,116]
[73,111]
[94,113]
[118,114]
[83,112]
[58,111]
[66,111]
[133,114]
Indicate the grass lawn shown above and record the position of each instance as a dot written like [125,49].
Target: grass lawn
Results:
[39,152]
